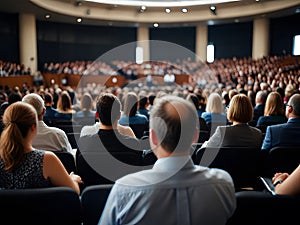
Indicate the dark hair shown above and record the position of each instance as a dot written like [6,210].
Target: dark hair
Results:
[143,100]
[108,108]
[193,99]
[48,98]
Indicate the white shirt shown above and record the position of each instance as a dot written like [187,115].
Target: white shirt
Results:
[174,191]
[51,138]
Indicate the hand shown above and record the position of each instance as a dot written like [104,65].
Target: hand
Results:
[279,176]
[76,178]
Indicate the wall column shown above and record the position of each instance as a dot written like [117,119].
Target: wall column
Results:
[28,41]
[143,39]
[260,45]
[201,41]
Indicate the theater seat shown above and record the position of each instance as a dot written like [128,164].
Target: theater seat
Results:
[93,199]
[263,208]
[46,206]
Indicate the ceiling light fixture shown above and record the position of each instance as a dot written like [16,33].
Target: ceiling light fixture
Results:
[168,10]
[184,10]
[143,8]
[47,16]
[155,24]
[213,9]
[172,3]
[79,20]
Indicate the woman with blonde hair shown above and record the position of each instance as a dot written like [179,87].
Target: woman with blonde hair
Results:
[274,111]
[22,166]
[214,115]
[239,134]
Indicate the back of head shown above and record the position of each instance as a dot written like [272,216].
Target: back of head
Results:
[17,119]
[294,101]
[64,101]
[193,99]
[174,121]
[130,104]
[48,98]
[240,109]
[36,101]
[143,100]
[14,97]
[274,105]
[214,103]
[86,102]
[108,108]
[261,97]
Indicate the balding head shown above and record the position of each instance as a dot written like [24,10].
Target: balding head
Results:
[294,102]
[174,121]
[36,101]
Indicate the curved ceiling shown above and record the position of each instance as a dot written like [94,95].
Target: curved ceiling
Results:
[134,14]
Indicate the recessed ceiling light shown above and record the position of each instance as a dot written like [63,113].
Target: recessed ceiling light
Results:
[155,25]
[184,10]
[47,16]
[78,20]
[168,10]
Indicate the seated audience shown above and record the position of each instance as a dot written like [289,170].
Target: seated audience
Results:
[260,101]
[239,134]
[142,105]
[214,115]
[273,112]
[64,107]
[174,186]
[21,165]
[108,138]
[131,117]
[286,134]
[287,184]
[47,138]
[50,110]
[86,114]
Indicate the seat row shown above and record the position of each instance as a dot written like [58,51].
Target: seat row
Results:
[63,206]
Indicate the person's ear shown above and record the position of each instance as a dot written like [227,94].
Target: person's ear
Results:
[196,136]
[153,137]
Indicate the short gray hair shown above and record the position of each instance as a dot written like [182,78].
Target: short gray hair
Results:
[294,101]
[174,121]
[36,101]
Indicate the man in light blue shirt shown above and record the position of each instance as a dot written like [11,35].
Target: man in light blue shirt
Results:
[174,191]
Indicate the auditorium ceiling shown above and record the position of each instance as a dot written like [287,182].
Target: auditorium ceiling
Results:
[168,13]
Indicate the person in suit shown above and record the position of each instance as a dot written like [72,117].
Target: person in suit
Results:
[239,134]
[260,101]
[286,134]
[170,192]
[21,165]
[108,139]
[50,110]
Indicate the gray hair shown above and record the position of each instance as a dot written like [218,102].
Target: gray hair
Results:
[36,101]
[295,103]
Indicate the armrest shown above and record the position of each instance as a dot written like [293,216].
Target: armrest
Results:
[268,185]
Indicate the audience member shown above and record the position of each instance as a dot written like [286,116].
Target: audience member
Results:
[286,134]
[214,115]
[174,186]
[64,107]
[47,138]
[260,101]
[287,184]
[131,118]
[22,166]
[108,138]
[142,105]
[86,115]
[239,134]
[50,110]
[273,112]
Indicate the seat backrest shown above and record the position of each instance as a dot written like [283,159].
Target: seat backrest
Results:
[139,129]
[93,199]
[242,163]
[261,208]
[282,159]
[67,160]
[73,139]
[47,206]
[98,167]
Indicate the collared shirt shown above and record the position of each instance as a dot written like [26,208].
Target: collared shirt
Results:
[51,138]
[174,191]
